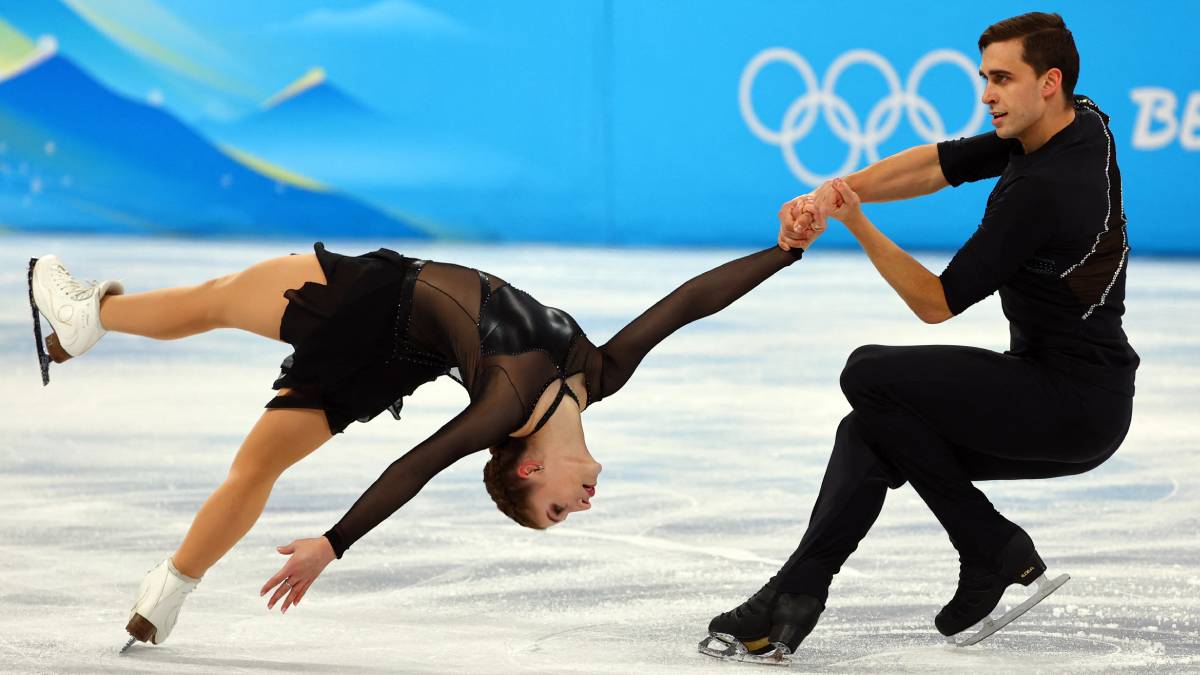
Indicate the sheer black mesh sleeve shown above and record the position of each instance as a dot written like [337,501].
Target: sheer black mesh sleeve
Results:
[701,296]
[484,423]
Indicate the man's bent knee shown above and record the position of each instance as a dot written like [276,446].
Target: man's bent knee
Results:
[861,370]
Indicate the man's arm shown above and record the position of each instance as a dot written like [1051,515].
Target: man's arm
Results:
[920,289]
[917,171]
[911,173]
[904,175]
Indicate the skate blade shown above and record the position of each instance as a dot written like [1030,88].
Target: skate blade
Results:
[990,625]
[43,358]
[728,648]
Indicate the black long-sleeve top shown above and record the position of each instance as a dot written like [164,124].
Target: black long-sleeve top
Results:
[1053,242]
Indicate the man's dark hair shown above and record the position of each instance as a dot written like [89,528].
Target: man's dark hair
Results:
[1046,41]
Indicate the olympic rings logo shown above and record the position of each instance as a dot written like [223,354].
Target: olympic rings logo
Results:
[881,121]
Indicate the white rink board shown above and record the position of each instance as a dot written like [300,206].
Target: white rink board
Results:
[713,455]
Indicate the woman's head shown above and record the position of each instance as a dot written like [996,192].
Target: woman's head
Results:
[500,477]
[540,486]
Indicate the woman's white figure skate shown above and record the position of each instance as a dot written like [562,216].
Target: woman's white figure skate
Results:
[72,307]
[159,601]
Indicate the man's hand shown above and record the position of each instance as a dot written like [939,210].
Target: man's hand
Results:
[849,209]
[308,559]
[826,200]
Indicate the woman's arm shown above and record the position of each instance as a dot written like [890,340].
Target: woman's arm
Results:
[482,424]
[701,296]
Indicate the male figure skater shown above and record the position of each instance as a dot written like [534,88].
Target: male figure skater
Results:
[1053,243]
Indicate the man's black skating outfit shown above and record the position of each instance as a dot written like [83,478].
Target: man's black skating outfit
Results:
[1053,244]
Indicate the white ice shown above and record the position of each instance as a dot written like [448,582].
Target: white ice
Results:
[713,455]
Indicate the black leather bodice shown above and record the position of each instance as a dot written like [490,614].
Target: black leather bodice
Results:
[513,322]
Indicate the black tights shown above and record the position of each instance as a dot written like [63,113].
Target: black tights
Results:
[940,417]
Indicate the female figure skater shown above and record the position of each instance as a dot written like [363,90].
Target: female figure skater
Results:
[367,331]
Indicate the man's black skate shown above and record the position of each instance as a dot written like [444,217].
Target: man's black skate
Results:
[767,628]
[980,589]
[749,622]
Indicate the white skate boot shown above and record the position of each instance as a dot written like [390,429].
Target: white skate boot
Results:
[72,308]
[157,607]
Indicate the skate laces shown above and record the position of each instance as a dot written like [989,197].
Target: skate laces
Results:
[69,285]
[749,608]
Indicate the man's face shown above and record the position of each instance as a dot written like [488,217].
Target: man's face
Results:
[1014,92]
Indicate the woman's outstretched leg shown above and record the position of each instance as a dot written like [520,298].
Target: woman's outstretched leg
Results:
[281,438]
[251,300]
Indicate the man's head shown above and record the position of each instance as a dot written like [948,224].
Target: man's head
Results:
[1031,66]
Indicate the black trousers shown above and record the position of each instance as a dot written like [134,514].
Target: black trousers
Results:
[941,417]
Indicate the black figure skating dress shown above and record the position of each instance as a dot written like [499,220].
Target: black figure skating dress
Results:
[384,324]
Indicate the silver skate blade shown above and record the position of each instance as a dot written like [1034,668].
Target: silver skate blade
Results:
[728,648]
[127,645]
[43,358]
[990,625]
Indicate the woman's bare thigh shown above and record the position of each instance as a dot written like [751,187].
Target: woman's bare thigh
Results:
[253,299]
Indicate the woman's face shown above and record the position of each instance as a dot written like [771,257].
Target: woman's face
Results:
[561,487]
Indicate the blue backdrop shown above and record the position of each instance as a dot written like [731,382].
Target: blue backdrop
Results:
[611,122]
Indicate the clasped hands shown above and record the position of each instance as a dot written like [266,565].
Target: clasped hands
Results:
[803,219]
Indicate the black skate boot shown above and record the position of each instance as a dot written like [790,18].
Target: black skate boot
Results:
[767,628]
[792,619]
[980,588]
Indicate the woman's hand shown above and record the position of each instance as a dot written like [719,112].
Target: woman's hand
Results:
[798,226]
[308,559]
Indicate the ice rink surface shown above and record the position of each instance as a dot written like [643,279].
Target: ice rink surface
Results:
[713,455]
